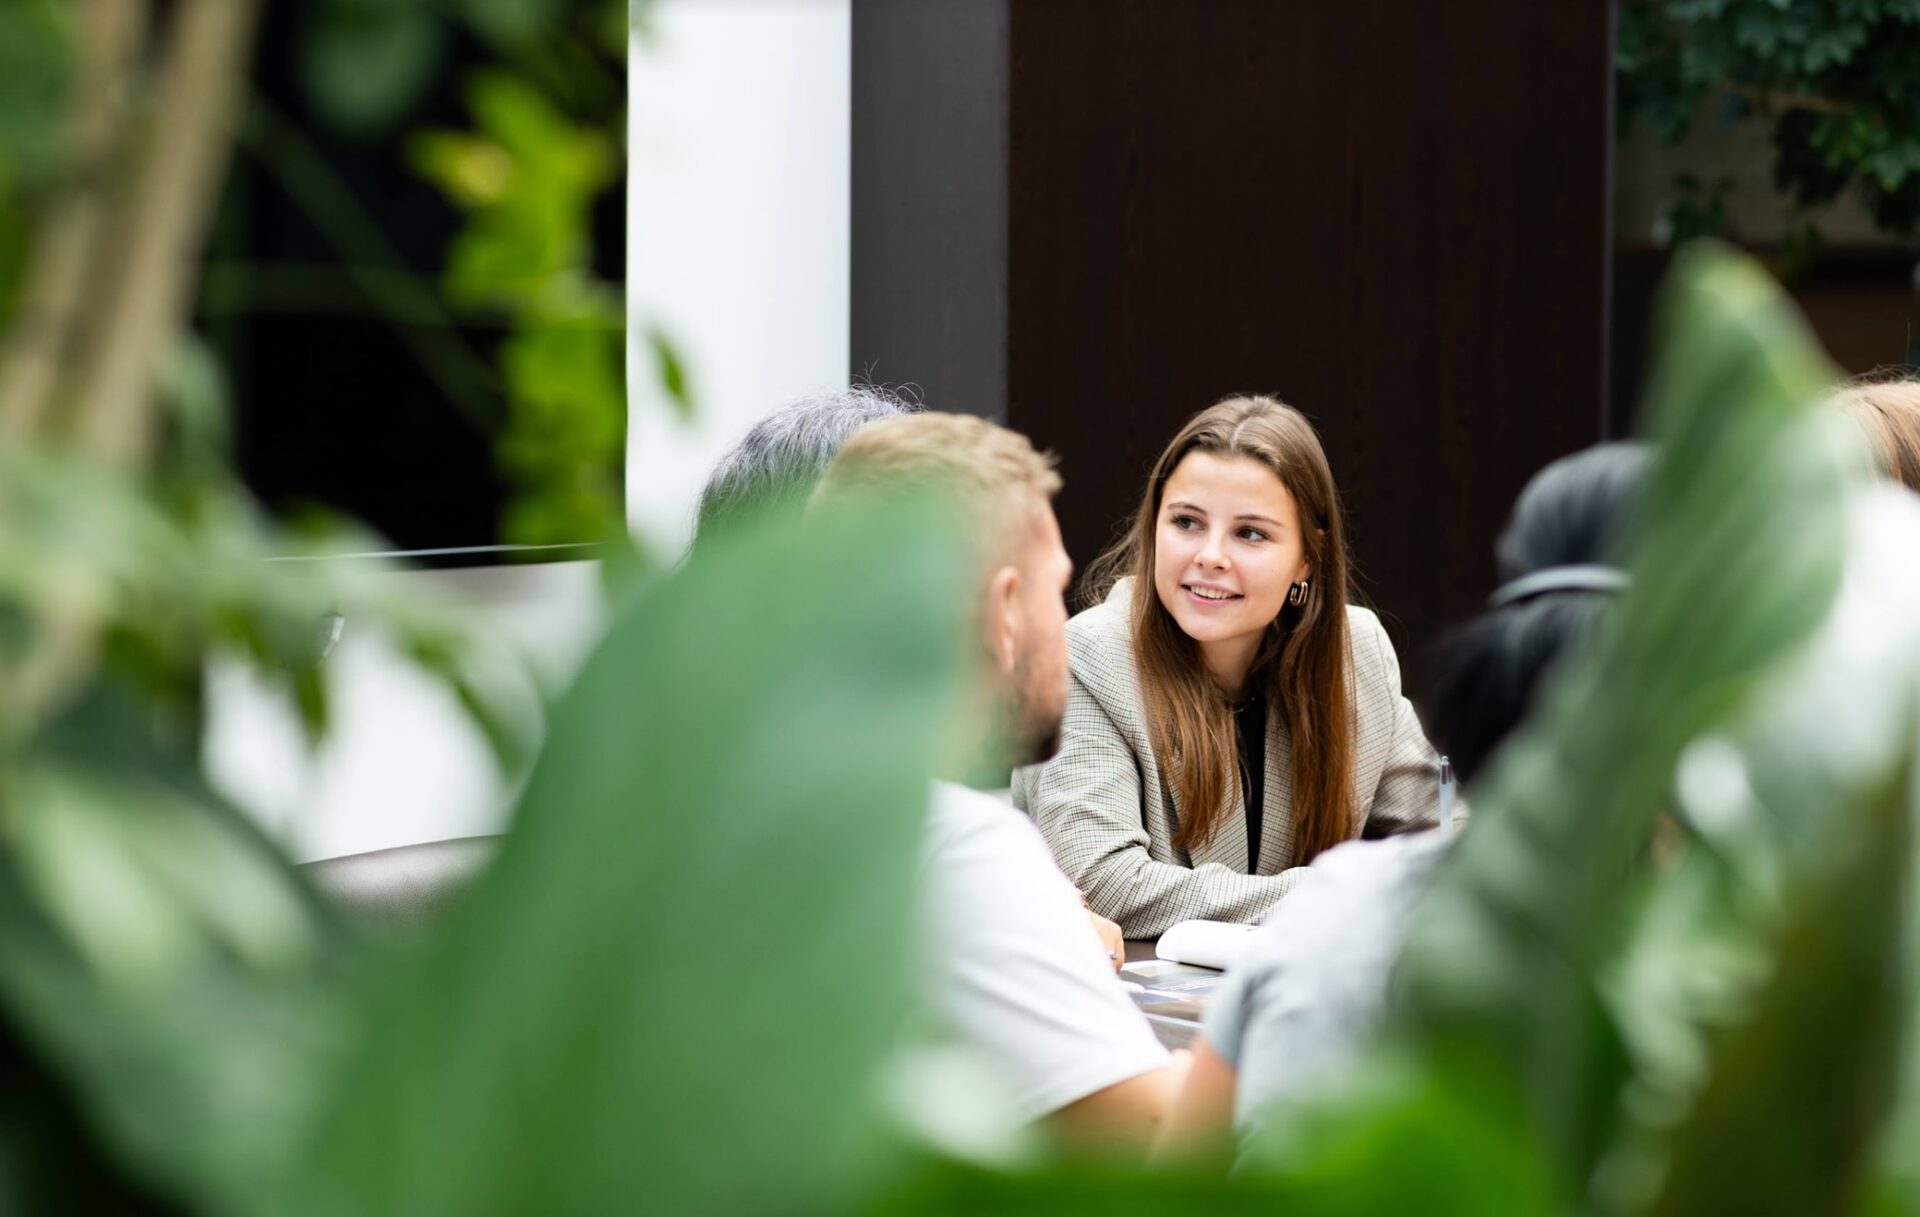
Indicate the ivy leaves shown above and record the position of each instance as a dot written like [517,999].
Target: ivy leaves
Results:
[1838,80]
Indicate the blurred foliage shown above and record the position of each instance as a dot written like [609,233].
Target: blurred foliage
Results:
[1835,80]
[544,153]
[527,179]
[544,148]
[678,986]
[172,992]
[35,73]
[1836,964]
[153,945]
[1536,890]
[653,1001]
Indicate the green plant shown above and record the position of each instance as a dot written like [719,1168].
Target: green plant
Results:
[1553,1046]
[733,787]
[160,956]
[544,150]
[1835,81]
[677,988]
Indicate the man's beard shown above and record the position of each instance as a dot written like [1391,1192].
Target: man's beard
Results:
[1045,746]
[1032,734]
[1023,737]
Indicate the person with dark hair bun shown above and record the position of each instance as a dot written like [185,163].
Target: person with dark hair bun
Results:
[1296,1009]
[1556,581]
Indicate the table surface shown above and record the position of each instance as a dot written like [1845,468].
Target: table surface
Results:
[1176,1025]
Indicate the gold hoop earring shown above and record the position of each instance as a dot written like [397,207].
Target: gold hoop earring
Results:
[1297,594]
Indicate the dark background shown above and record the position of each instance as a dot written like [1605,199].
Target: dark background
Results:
[334,404]
[1394,217]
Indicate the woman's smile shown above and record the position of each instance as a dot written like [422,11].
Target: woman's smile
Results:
[1226,549]
[1210,594]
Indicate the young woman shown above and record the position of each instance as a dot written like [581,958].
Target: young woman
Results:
[1297,1010]
[1231,715]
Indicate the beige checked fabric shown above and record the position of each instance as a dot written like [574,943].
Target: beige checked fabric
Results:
[1109,813]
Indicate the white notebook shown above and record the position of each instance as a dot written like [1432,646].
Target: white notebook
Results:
[1207,944]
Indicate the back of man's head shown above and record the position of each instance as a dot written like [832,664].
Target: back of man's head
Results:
[994,476]
[776,464]
[999,486]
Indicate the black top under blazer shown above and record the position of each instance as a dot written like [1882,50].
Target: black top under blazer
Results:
[1109,813]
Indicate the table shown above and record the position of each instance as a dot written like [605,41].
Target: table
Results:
[1173,996]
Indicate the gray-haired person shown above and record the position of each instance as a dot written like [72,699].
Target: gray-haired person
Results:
[776,464]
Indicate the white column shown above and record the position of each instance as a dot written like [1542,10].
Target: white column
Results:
[738,196]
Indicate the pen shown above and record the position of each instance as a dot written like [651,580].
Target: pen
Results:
[1446,793]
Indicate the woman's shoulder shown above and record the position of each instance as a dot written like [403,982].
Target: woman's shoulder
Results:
[1106,629]
[1366,637]
[1375,663]
[1100,647]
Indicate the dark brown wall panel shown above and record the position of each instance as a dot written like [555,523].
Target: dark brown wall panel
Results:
[1392,215]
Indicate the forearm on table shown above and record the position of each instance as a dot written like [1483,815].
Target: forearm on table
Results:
[1145,897]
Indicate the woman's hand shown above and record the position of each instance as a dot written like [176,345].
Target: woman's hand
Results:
[1110,939]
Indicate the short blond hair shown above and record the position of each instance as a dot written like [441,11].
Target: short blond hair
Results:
[996,476]
[1888,410]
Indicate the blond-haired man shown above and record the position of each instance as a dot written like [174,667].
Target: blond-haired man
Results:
[1023,980]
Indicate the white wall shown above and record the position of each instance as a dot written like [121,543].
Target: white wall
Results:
[402,764]
[738,196]
[738,247]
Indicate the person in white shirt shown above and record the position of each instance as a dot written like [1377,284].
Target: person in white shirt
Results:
[1022,978]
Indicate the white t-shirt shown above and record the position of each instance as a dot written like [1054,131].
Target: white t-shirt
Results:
[1296,1011]
[1020,978]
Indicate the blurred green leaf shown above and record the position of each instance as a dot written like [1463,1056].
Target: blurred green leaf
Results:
[164,958]
[530,176]
[653,1001]
[1398,1143]
[472,170]
[493,685]
[15,225]
[566,381]
[365,63]
[510,20]
[550,514]
[939,1188]
[1798,1090]
[1734,561]
[1767,799]
[617,21]
[1440,1135]
[673,373]
[36,71]
[50,1162]
[193,389]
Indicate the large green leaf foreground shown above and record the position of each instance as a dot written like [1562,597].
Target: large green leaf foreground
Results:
[1735,558]
[1735,562]
[672,992]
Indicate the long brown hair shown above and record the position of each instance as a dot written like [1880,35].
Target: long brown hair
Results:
[1302,666]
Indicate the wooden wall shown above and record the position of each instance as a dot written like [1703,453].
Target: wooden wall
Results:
[1395,216]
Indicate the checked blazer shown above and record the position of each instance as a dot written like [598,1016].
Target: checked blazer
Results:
[1109,812]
